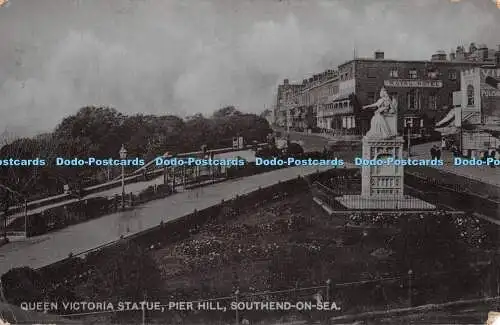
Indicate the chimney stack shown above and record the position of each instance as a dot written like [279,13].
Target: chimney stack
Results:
[379,55]
[286,82]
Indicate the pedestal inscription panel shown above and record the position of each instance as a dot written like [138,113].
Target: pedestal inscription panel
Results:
[382,180]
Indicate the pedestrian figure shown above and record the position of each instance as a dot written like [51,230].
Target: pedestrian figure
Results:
[494,156]
[438,153]
[485,156]
[433,152]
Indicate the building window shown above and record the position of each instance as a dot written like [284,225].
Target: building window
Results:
[408,122]
[433,74]
[433,102]
[413,74]
[394,73]
[412,99]
[470,95]
[372,73]
[452,75]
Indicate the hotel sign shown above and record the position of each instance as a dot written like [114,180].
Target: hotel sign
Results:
[490,93]
[412,83]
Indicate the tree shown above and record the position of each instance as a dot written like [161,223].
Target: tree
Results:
[266,113]
[100,131]
[199,130]
[99,126]
[226,112]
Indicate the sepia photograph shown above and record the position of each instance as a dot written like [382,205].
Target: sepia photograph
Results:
[237,162]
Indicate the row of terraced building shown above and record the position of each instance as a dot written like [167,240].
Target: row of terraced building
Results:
[332,101]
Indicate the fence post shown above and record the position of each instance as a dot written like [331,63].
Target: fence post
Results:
[144,311]
[236,294]
[328,283]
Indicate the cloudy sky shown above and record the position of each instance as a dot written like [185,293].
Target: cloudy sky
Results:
[188,56]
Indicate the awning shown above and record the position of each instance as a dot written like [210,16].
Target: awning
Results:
[450,117]
[448,130]
[336,98]
[489,127]
[492,82]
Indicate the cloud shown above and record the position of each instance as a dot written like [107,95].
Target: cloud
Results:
[178,57]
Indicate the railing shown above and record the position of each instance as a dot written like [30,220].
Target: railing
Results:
[338,296]
[134,177]
[194,154]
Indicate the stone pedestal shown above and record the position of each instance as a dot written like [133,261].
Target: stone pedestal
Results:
[385,180]
[382,186]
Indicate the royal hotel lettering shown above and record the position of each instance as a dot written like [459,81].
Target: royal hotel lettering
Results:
[404,83]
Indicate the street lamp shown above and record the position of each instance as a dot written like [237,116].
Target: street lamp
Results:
[409,125]
[410,275]
[123,155]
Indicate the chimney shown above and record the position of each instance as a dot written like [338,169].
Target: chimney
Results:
[379,55]
[286,82]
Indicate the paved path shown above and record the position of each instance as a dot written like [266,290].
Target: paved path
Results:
[483,174]
[133,187]
[55,246]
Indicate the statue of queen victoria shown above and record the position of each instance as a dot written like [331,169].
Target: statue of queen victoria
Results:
[383,125]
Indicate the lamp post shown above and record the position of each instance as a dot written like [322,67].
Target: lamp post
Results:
[6,206]
[410,275]
[408,125]
[123,155]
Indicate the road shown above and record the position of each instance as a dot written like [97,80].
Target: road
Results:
[134,187]
[483,174]
[50,248]
[422,151]
[316,141]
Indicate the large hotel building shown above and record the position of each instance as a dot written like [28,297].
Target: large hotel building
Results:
[332,101]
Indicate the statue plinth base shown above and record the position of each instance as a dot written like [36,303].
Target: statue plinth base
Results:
[382,186]
[404,202]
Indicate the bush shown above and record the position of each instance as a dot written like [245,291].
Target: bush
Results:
[127,273]
[22,285]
